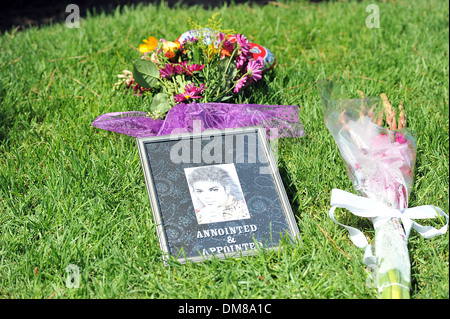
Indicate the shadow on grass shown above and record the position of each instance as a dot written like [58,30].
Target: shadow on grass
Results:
[291,191]
[21,14]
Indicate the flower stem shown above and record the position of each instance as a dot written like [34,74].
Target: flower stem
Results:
[393,269]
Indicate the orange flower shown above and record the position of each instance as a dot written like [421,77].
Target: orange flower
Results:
[224,52]
[148,45]
[170,48]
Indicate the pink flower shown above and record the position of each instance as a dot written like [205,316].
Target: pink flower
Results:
[167,71]
[243,44]
[240,84]
[179,68]
[190,92]
[179,98]
[240,61]
[400,138]
[190,69]
[226,44]
[221,36]
[254,70]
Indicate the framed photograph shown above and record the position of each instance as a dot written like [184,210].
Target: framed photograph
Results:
[215,193]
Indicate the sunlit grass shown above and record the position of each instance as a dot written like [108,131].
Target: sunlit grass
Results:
[74,194]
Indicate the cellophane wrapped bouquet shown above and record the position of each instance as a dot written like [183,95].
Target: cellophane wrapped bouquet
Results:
[380,162]
[203,80]
[205,64]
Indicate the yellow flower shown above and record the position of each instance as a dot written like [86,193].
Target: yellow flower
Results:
[210,51]
[148,45]
[170,48]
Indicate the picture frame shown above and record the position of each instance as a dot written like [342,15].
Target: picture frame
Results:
[215,193]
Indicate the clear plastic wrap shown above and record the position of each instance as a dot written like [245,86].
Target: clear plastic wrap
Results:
[380,163]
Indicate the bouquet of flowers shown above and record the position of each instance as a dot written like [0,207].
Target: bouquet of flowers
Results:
[380,163]
[206,64]
[198,78]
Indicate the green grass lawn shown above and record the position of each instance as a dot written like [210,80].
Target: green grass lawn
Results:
[74,194]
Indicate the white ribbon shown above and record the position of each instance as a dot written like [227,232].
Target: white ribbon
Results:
[379,212]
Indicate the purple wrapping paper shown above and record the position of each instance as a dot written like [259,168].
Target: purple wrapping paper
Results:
[278,120]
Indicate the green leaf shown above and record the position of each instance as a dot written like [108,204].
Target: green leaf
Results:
[146,73]
[223,98]
[196,54]
[161,102]
[179,79]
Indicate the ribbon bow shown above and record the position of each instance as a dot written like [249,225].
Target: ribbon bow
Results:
[380,212]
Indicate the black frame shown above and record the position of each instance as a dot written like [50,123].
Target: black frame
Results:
[164,159]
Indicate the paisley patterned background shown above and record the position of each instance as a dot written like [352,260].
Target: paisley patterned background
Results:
[176,207]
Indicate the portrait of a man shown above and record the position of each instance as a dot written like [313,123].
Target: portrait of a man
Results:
[216,193]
